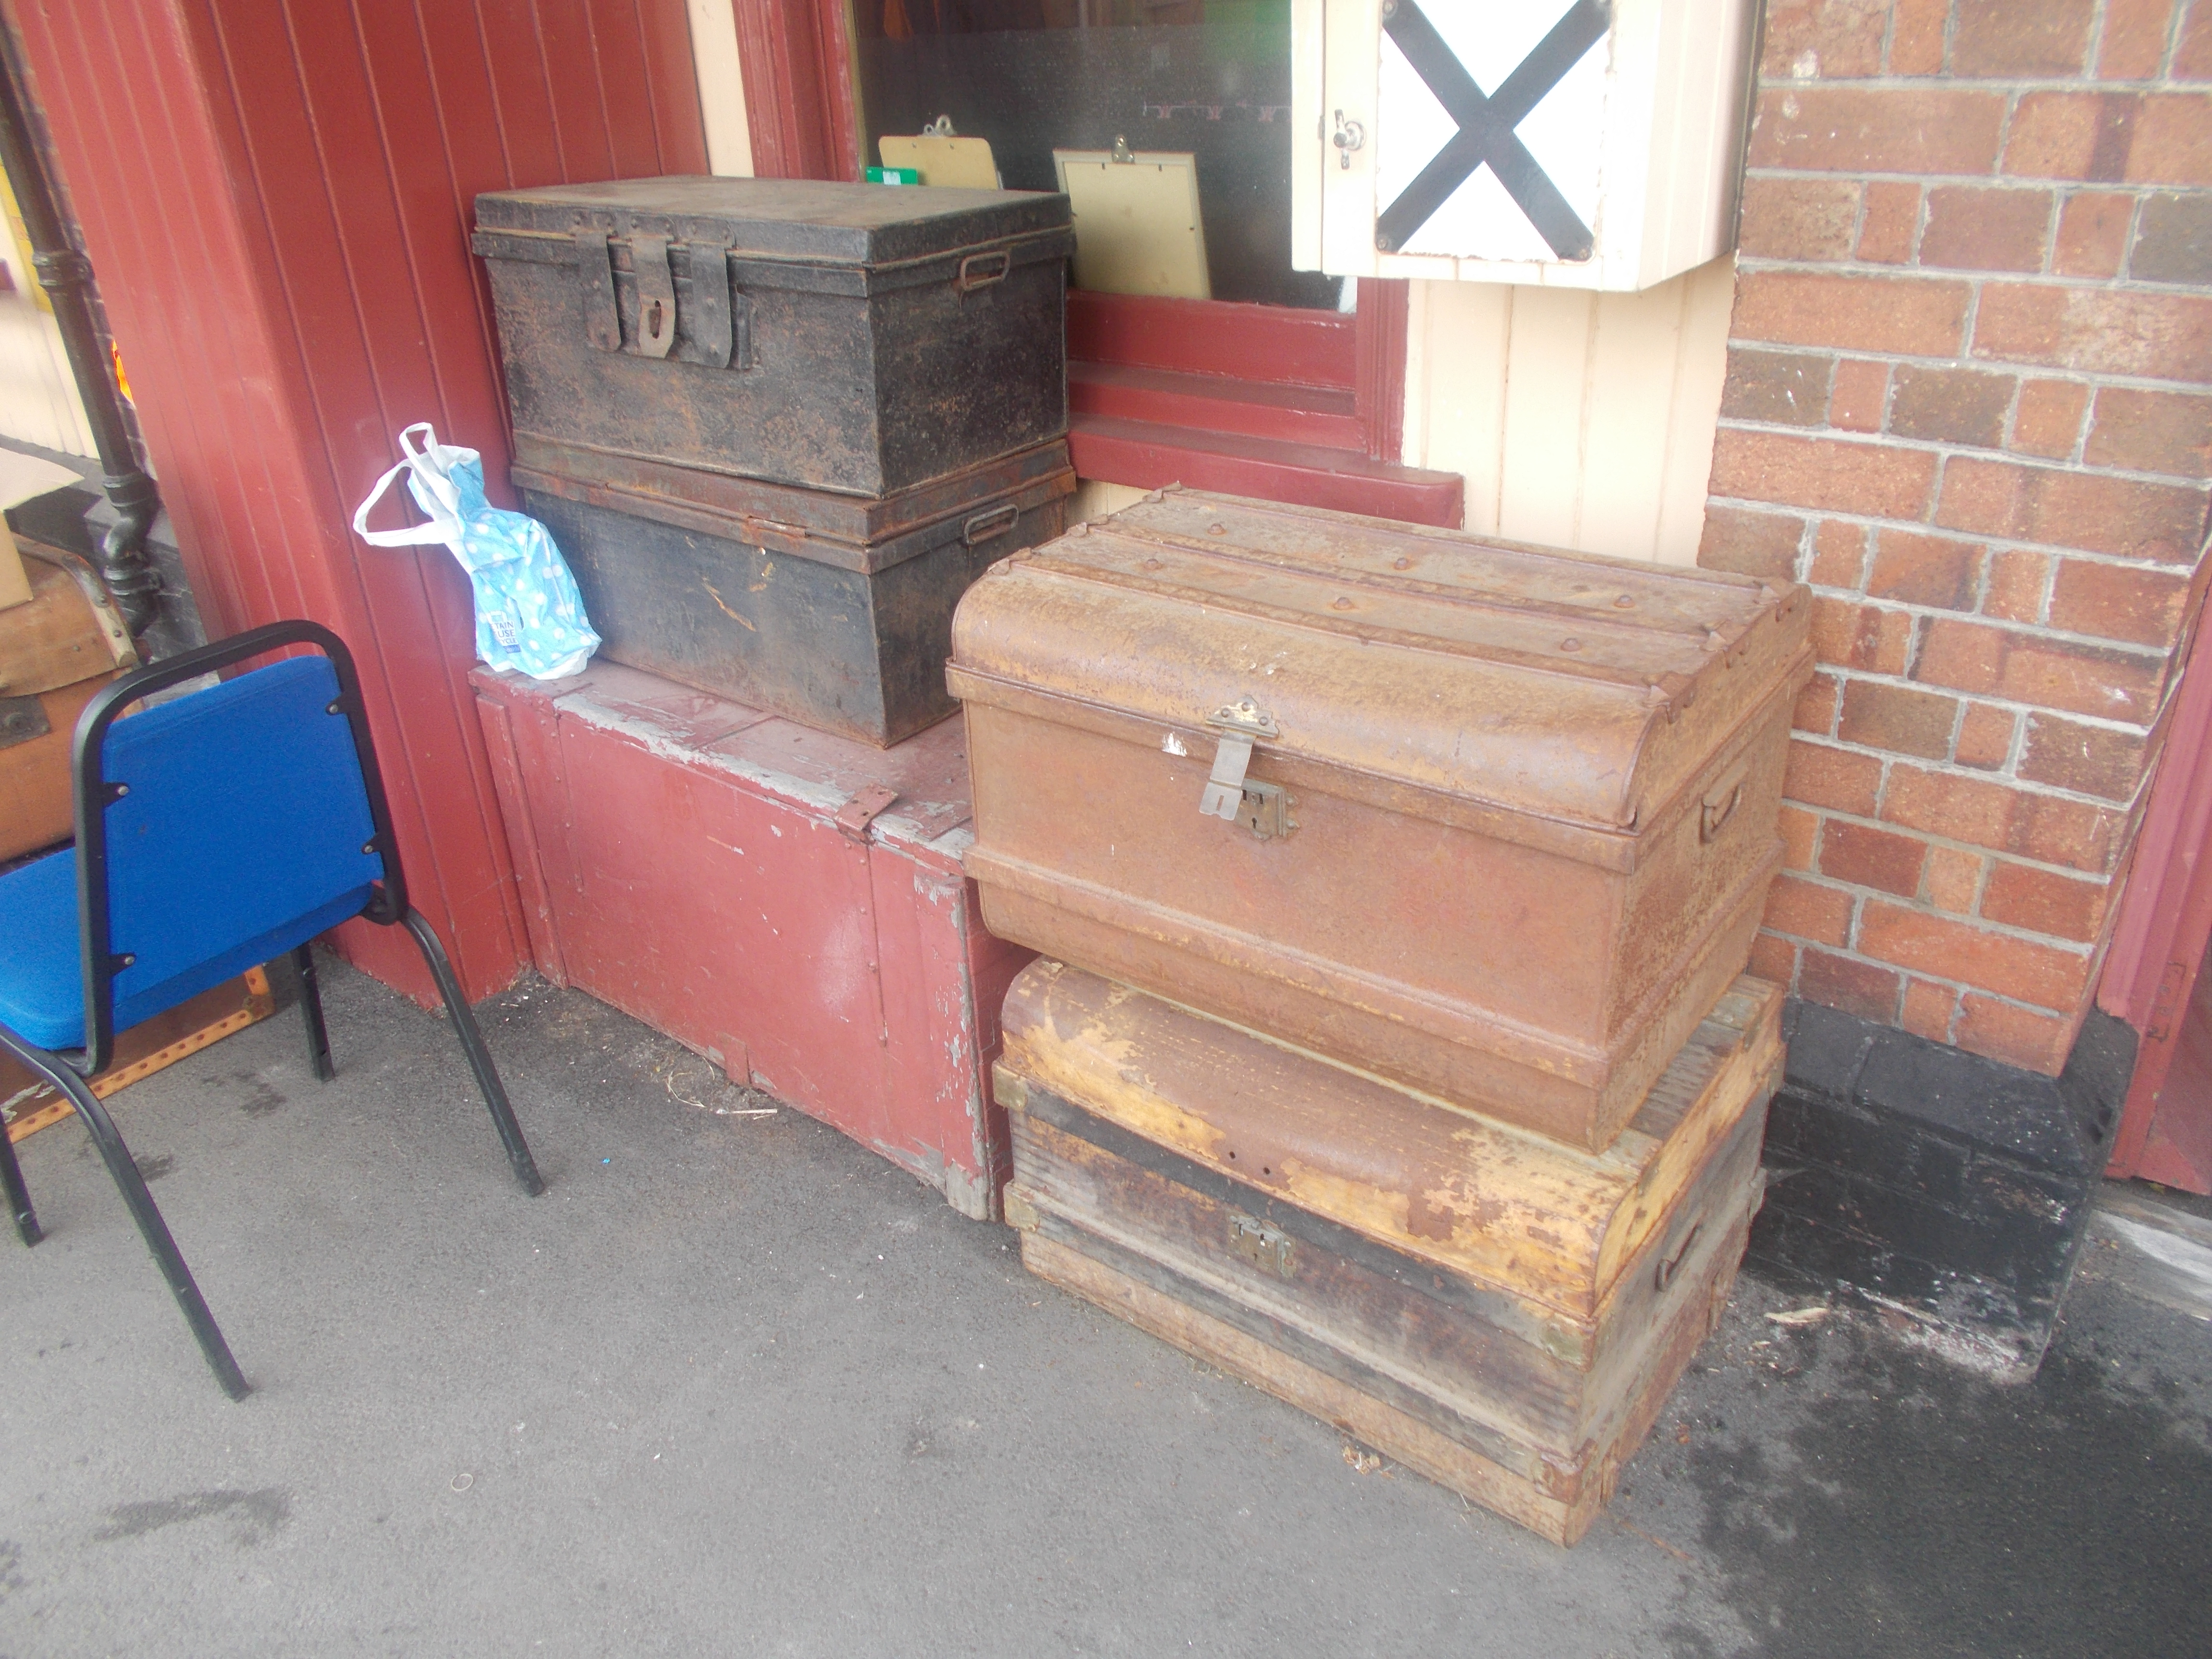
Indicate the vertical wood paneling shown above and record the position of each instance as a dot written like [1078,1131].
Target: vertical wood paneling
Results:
[1579,420]
[276,195]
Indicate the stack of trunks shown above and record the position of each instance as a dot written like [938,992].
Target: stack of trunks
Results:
[1392,1048]
[777,427]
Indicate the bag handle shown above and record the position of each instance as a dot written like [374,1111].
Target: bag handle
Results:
[424,464]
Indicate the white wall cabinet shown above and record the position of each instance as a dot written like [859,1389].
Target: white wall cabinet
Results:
[1571,143]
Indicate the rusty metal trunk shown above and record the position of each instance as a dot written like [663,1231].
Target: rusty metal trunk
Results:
[838,337]
[1494,822]
[834,611]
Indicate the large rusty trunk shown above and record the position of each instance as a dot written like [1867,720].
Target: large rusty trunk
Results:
[1492,821]
[1505,1313]
[836,611]
[839,337]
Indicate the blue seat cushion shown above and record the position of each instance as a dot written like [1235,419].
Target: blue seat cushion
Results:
[41,963]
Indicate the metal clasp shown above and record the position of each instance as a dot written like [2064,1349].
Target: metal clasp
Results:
[1241,724]
[1269,1248]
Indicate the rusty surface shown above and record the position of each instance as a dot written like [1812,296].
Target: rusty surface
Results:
[1510,1312]
[857,358]
[850,637]
[1531,795]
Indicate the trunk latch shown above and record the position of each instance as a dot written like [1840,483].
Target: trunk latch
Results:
[1262,808]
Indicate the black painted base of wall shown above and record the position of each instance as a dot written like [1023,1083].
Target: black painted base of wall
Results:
[1950,1191]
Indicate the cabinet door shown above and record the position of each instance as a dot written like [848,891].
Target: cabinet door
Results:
[1581,144]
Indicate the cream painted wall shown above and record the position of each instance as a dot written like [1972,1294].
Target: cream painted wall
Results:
[721,88]
[1580,420]
[38,403]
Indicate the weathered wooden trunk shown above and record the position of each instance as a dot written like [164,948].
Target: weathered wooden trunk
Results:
[56,651]
[1505,1315]
[1492,821]
[838,337]
[836,611]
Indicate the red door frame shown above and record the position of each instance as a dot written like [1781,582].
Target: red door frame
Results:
[796,57]
[2160,936]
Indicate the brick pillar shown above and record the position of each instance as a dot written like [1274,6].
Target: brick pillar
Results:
[1965,402]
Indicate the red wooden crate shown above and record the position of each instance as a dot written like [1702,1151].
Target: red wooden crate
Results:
[739,883]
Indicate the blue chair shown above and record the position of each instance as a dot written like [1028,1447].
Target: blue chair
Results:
[222,829]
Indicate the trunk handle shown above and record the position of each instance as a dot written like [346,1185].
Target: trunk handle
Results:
[1669,1266]
[990,524]
[1719,805]
[968,281]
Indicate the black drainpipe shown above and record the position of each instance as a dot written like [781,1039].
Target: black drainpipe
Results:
[66,276]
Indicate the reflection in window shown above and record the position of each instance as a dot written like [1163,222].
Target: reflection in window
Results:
[1209,76]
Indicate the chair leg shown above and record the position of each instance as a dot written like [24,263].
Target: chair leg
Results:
[473,1044]
[132,1186]
[311,1009]
[19,1195]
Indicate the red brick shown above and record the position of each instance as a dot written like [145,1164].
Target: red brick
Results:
[2173,140]
[1931,570]
[1951,405]
[1928,1009]
[1823,40]
[2092,511]
[2015,585]
[2089,760]
[1985,737]
[2160,336]
[1774,959]
[1830,473]
[1807,910]
[1781,388]
[1976,227]
[2133,42]
[1820,776]
[2022,668]
[2092,234]
[1763,544]
[1862,394]
[1839,556]
[2174,240]
[2072,135]
[1916,36]
[1954,879]
[1858,129]
[1853,988]
[2118,601]
[1868,857]
[1911,316]
[2192,57]
[2041,902]
[2020,38]
[2168,432]
[1799,829]
[1816,706]
[2047,419]
[1890,229]
[1861,635]
[2048,829]
[1897,719]
[1946,949]
[2017,1037]
[1798,218]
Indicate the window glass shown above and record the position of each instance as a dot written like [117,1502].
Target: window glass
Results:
[1211,77]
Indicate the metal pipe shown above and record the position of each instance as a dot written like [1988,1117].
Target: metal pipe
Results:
[66,276]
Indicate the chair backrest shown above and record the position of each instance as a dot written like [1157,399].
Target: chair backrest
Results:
[238,822]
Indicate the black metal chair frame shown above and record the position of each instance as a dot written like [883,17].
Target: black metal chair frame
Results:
[387,906]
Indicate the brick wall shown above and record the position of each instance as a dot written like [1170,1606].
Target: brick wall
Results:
[1966,402]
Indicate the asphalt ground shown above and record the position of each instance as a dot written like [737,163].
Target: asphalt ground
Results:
[733,1385]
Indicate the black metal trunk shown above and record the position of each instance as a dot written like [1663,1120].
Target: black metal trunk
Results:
[834,611]
[838,337]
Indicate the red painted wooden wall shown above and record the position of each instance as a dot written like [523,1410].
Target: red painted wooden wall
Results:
[275,196]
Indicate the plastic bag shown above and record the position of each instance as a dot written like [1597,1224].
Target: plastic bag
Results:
[530,618]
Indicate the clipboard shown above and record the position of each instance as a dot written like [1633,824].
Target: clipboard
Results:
[1138,230]
[942,158]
